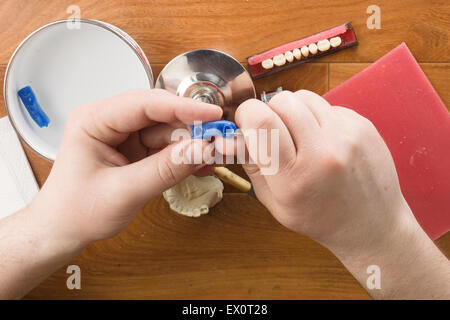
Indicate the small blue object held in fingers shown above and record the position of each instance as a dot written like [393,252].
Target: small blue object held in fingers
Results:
[206,130]
[30,102]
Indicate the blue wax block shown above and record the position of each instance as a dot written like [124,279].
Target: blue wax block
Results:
[206,130]
[30,102]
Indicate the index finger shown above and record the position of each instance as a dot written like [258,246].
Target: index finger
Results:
[112,119]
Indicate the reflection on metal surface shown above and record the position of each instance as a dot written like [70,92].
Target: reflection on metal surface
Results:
[208,75]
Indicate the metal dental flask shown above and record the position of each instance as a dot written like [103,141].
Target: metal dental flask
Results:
[208,75]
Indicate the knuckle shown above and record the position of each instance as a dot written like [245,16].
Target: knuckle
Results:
[76,113]
[368,126]
[281,97]
[302,92]
[332,160]
[76,116]
[246,105]
[263,121]
[127,97]
[135,97]
[362,123]
[246,110]
[158,91]
[166,172]
[333,163]
[252,170]
[350,146]
[364,131]
[352,143]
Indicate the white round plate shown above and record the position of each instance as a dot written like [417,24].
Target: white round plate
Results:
[67,68]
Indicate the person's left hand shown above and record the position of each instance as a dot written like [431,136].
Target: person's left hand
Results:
[114,157]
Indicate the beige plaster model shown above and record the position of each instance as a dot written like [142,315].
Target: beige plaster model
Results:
[194,195]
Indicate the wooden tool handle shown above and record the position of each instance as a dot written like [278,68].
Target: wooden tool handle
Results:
[233,179]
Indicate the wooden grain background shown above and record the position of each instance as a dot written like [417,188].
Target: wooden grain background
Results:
[238,251]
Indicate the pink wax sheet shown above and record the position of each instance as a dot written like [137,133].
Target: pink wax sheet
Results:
[396,96]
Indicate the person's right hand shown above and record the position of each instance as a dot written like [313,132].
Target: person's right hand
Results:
[336,182]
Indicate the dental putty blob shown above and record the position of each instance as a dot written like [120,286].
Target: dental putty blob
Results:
[194,196]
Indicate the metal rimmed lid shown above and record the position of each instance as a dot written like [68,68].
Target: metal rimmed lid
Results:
[67,68]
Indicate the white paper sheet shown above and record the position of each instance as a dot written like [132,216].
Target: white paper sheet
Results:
[18,186]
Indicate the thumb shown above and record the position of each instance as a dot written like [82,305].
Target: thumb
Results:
[152,175]
[239,148]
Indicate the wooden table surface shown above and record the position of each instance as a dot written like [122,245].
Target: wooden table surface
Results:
[238,251]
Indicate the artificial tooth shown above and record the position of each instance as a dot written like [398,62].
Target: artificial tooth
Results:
[267,64]
[323,45]
[297,54]
[305,51]
[312,48]
[335,42]
[289,56]
[279,60]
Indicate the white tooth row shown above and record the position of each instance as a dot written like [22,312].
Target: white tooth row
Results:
[313,48]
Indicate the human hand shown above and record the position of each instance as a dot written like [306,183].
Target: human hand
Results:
[336,182]
[114,157]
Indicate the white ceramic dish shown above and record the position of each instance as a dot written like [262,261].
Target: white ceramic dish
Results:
[67,68]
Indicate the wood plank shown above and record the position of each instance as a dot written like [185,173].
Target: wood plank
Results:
[437,73]
[443,244]
[238,250]
[229,254]
[243,28]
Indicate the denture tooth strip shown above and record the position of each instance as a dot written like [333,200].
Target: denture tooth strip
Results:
[303,50]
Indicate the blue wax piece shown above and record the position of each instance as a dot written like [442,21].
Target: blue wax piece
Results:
[30,102]
[206,130]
